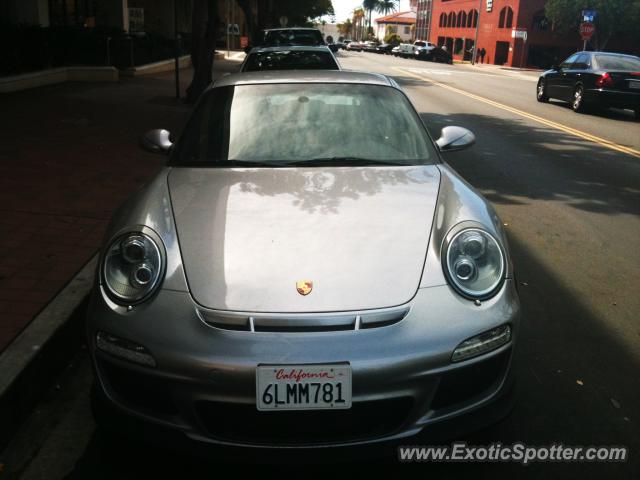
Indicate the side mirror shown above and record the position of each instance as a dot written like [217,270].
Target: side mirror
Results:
[455,138]
[156,141]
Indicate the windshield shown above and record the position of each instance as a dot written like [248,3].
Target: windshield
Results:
[290,60]
[280,124]
[614,62]
[293,37]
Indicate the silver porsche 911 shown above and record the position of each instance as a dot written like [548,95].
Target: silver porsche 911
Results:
[304,272]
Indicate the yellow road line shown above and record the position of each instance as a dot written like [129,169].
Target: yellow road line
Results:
[572,131]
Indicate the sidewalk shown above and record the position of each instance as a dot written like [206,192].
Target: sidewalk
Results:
[69,156]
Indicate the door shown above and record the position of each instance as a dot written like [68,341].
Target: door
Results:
[502,53]
[556,87]
[570,74]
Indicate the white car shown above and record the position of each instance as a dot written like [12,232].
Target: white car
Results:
[409,50]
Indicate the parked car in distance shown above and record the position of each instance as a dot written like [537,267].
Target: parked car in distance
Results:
[275,37]
[355,46]
[409,50]
[395,51]
[594,79]
[289,58]
[385,48]
[370,46]
[435,54]
[291,280]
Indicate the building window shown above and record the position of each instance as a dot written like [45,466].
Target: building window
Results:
[506,18]
[407,30]
[451,20]
[443,19]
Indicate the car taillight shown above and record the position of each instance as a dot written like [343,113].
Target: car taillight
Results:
[604,80]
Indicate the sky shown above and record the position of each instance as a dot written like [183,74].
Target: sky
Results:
[344,8]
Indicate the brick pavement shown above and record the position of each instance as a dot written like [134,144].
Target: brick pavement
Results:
[69,156]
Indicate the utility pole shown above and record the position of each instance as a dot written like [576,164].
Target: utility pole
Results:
[475,41]
[176,62]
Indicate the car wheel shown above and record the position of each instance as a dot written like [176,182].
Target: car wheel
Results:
[541,91]
[578,100]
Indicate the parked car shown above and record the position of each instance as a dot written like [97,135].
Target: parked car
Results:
[290,58]
[385,48]
[435,54]
[395,51]
[370,46]
[355,46]
[275,37]
[408,50]
[293,280]
[594,79]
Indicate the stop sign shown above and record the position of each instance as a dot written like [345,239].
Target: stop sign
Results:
[586,30]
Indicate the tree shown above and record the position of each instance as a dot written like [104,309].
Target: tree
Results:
[204,21]
[613,17]
[369,6]
[385,7]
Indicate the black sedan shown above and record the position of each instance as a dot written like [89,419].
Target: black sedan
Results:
[385,48]
[594,79]
[436,54]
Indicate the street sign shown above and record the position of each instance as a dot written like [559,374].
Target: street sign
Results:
[586,30]
[519,33]
[588,16]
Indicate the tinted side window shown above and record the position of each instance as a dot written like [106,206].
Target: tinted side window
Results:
[582,62]
[569,61]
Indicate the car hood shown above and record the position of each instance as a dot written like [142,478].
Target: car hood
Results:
[359,234]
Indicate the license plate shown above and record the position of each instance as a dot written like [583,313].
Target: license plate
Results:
[303,387]
[634,84]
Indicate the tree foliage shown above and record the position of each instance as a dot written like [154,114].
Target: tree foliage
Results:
[301,12]
[613,17]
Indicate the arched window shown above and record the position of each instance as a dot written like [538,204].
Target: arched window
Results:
[459,20]
[462,19]
[503,14]
[443,19]
[470,18]
[451,21]
[506,18]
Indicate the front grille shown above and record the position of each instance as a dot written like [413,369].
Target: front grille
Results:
[137,389]
[294,323]
[245,424]
[463,384]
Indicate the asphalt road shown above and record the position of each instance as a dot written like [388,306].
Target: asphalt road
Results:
[567,187]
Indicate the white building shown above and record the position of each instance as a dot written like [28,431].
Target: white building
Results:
[400,24]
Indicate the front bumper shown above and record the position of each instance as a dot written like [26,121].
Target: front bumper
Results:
[403,380]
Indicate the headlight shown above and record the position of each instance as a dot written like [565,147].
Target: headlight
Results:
[474,263]
[132,267]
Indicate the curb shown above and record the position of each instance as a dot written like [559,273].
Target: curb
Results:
[41,350]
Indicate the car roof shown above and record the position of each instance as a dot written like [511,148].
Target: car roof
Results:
[289,48]
[304,76]
[613,54]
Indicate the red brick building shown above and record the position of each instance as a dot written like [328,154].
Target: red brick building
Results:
[454,23]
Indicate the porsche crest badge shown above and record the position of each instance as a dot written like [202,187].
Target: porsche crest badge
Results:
[304,287]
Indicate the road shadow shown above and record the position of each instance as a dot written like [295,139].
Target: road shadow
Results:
[514,161]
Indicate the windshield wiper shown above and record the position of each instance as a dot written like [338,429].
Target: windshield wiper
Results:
[346,161]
